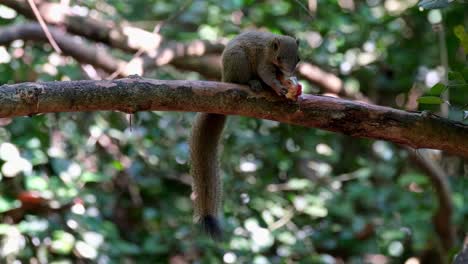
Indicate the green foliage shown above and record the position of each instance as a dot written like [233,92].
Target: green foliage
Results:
[430,100]
[437,90]
[461,34]
[456,85]
[104,192]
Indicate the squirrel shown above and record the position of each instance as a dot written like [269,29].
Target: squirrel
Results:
[259,59]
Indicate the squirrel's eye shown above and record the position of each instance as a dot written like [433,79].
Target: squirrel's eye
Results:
[298,59]
[278,58]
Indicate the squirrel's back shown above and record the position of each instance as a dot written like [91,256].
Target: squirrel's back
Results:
[252,43]
[243,59]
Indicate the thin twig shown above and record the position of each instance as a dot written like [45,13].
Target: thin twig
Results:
[44,27]
[444,108]
[282,221]
[305,8]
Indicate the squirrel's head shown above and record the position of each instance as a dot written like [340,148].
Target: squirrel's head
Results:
[284,54]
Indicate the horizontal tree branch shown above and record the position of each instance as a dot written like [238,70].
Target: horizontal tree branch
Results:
[131,39]
[172,50]
[417,130]
[200,56]
[91,28]
[183,55]
[121,36]
[70,45]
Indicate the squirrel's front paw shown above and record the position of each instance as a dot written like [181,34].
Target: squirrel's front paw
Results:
[281,91]
[255,85]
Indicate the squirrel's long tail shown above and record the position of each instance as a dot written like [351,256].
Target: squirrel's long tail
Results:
[204,141]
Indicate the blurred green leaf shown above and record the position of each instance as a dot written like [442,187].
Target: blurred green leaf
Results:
[35,182]
[118,165]
[437,90]
[462,36]
[94,177]
[430,100]
[456,78]
[7,204]
[62,242]
[409,178]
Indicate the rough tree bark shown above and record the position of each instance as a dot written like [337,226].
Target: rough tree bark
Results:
[417,130]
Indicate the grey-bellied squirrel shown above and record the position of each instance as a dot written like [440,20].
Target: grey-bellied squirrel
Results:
[253,58]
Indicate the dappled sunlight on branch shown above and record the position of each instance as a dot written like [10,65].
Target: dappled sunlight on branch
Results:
[138,38]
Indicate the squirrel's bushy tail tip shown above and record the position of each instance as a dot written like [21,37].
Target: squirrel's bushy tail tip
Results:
[211,227]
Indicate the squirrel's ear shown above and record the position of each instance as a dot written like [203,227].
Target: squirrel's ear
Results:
[297,42]
[275,44]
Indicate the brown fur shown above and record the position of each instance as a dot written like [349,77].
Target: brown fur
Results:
[253,58]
